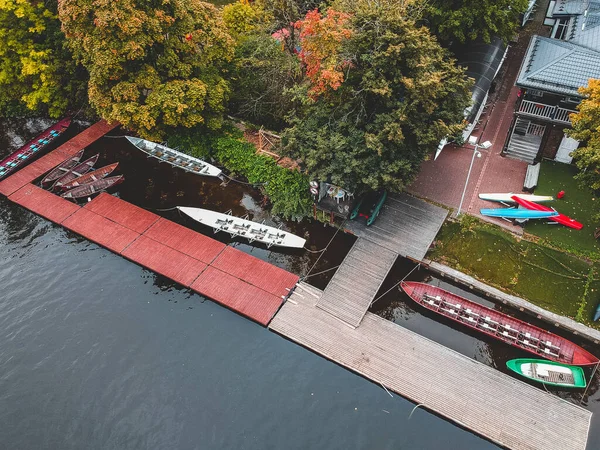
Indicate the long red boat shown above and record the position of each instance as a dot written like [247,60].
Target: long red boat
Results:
[498,325]
[33,148]
[561,218]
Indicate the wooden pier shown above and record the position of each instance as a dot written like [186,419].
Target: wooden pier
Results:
[494,405]
[234,279]
[406,226]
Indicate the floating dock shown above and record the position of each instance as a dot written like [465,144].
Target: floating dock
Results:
[229,276]
[492,404]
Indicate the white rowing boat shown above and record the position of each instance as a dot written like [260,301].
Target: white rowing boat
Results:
[174,157]
[506,198]
[237,226]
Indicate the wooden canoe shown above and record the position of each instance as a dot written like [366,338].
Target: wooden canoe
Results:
[93,188]
[548,372]
[76,172]
[498,325]
[89,177]
[33,148]
[63,168]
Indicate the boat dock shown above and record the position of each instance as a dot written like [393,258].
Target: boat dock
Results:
[406,226]
[229,276]
[492,404]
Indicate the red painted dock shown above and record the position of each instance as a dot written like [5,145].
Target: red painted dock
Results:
[232,278]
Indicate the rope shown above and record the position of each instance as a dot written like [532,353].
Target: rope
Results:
[243,182]
[315,251]
[326,247]
[319,273]
[395,285]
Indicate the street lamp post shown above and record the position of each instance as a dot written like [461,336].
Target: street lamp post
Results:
[472,141]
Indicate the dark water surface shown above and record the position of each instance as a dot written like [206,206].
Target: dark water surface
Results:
[97,352]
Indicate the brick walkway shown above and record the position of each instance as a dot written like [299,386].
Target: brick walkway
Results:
[443,180]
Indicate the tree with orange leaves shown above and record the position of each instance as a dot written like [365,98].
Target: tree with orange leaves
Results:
[321,38]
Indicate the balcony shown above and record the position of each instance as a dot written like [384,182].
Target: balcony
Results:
[547,112]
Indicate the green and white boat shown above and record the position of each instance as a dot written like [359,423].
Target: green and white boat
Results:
[548,372]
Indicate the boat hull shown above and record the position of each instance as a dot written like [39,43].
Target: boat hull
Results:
[90,177]
[93,188]
[498,325]
[175,158]
[62,168]
[548,372]
[513,213]
[507,198]
[560,218]
[76,172]
[33,148]
[236,226]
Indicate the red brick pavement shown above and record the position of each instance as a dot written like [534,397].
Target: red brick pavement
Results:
[443,180]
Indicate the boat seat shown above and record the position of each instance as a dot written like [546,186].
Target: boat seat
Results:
[548,352]
[508,335]
[485,325]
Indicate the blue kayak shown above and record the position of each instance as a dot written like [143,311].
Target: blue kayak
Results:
[514,213]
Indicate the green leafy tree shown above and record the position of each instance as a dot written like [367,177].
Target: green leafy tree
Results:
[467,20]
[36,72]
[400,95]
[586,129]
[152,64]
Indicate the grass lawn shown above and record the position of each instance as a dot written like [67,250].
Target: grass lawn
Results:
[577,203]
[551,279]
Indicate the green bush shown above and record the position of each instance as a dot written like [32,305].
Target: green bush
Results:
[286,189]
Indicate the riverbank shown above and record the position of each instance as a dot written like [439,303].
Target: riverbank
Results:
[551,279]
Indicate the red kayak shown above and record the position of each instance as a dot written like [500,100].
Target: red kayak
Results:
[33,148]
[561,218]
[498,325]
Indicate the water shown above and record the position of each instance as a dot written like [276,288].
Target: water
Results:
[98,352]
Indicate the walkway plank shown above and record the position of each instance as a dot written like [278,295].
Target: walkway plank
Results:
[406,225]
[501,408]
[261,274]
[100,230]
[164,260]
[237,295]
[47,205]
[347,299]
[122,212]
[185,240]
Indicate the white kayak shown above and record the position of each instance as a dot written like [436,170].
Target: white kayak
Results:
[237,226]
[174,157]
[506,198]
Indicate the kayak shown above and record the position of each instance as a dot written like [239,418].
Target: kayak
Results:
[514,213]
[507,198]
[548,372]
[597,313]
[560,218]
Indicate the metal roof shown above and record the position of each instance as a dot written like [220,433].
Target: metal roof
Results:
[558,66]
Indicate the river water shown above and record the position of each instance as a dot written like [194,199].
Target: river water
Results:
[97,352]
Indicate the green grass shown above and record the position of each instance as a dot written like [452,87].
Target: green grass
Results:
[579,204]
[546,277]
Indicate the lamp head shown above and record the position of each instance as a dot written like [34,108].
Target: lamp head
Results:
[473,140]
[486,145]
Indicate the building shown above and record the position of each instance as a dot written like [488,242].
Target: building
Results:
[552,71]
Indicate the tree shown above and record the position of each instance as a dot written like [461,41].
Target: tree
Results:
[586,129]
[36,72]
[152,64]
[468,20]
[401,94]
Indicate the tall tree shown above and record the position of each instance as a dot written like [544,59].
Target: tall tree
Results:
[400,95]
[152,64]
[468,20]
[36,71]
[586,129]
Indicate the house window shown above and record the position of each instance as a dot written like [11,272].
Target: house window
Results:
[535,93]
[560,28]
